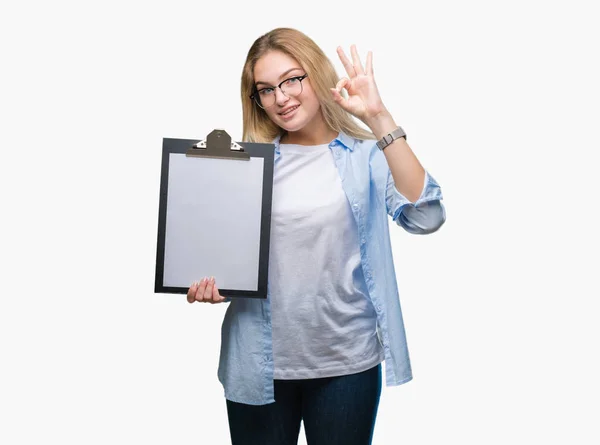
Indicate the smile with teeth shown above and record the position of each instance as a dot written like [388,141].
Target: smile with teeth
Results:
[290,110]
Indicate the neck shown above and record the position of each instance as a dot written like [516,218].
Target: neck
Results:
[315,133]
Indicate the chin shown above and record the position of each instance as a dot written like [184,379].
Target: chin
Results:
[290,128]
[298,124]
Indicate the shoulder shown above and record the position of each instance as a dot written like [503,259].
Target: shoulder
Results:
[368,148]
[364,147]
[371,157]
[365,144]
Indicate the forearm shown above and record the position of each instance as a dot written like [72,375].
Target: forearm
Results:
[406,169]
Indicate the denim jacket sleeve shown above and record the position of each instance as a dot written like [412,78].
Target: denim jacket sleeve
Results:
[424,216]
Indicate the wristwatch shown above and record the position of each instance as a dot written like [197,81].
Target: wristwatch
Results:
[391,137]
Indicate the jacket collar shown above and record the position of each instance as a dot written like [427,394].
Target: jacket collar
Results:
[342,138]
[347,141]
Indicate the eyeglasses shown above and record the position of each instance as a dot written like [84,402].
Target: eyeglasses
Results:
[265,97]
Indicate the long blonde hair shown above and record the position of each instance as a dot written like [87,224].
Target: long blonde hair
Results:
[258,127]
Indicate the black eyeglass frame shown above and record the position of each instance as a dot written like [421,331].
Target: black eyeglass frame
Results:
[256,90]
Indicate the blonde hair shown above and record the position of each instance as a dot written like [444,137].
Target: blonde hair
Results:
[257,126]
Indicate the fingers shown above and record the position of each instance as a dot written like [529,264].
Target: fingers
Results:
[336,95]
[208,290]
[356,61]
[347,64]
[205,291]
[216,297]
[355,67]
[344,82]
[369,69]
[198,289]
[191,294]
[337,91]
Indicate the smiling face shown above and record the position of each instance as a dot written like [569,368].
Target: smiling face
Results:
[292,113]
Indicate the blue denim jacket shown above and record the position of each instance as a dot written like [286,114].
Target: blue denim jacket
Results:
[246,358]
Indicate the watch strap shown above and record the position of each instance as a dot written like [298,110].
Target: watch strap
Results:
[391,137]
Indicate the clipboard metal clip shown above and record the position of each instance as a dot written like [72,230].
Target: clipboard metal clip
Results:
[218,145]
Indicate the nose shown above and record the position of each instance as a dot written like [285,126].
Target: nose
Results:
[280,98]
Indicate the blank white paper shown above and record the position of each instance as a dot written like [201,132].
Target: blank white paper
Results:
[213,222]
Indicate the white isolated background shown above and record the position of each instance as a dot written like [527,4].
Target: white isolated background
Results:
[500,103]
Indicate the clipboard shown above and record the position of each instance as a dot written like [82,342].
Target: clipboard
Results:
[214,215]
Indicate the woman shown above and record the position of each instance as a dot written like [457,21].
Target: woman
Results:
[313,349]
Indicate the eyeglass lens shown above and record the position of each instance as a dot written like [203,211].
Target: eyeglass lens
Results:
[265,97]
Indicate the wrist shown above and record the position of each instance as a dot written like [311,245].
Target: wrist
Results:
[381,124]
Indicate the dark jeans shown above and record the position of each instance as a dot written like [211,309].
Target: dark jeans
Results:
[336,411]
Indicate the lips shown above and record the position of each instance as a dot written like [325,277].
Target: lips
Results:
[288,110]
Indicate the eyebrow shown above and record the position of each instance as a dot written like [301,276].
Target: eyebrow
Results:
[283,74]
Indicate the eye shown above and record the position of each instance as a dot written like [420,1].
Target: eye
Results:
[265,91]
[292,81]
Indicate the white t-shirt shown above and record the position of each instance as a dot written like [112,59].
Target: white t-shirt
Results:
[323,321]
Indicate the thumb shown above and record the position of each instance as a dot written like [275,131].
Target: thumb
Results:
[344,82]
[337,97]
